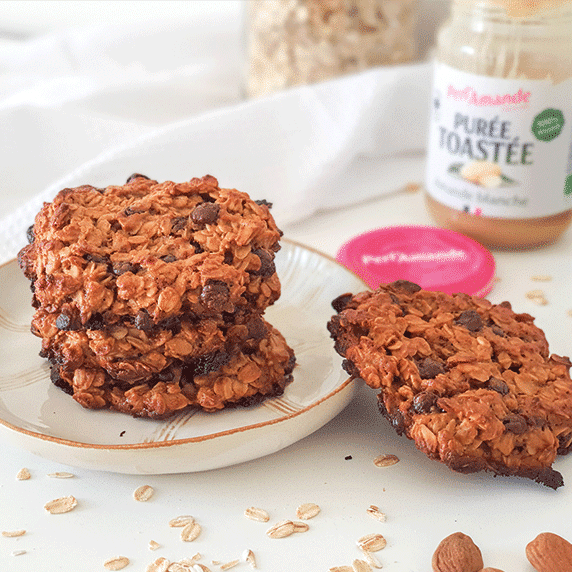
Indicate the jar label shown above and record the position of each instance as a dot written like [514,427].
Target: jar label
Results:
[500,147]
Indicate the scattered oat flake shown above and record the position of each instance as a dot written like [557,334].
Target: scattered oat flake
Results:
[258,514]
[360,566]
[301,526]
[281,529]
[341,569]
[13,533]
[190,532]
[181,521]
[159,565]
[18,552]
[116,563]
[200,568]
[412,187]
[143,493]
[372,560]
[154,545]
[570,313]
[23,474]
[385,460]
[61,475]
[230,564]
[537,296]
[374,512]
[61,505]
[541,278]
[249,558]
[307,511]
[372,542]
[178,567]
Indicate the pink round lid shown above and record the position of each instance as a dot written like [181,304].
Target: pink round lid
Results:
[434,258]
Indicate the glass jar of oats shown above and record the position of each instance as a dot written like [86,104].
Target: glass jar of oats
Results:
[294,42]
[499,164]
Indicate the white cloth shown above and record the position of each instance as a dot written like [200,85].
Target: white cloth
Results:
[165,99]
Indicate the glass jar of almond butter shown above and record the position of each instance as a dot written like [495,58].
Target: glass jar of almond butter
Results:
[499,164]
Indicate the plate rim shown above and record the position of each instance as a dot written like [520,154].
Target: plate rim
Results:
[202,438]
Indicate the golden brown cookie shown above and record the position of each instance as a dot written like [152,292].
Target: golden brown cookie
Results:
[471,382]
[162,249]
[234,376]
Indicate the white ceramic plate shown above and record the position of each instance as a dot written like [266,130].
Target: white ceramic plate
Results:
[38,416]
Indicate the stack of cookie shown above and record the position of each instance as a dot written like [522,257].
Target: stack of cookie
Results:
[150,296]
[471,382]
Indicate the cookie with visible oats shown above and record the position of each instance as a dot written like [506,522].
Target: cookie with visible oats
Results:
[470,382]
[149,296]
[239,375]
[151,251]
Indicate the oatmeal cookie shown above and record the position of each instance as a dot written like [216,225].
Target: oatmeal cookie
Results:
[161,248]
[129,352]
[471,382]
[234,376]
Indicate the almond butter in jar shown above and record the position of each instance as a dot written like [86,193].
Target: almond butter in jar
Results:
[499,162]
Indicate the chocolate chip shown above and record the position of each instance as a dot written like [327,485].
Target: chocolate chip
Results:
[205,213]
[499,386]
[515,423]
[470,320]
[398,422]
[228,258]
[119,268]
[498,331]
[429,368]
[143,321]
[423,402]
[136,176]
[198,248]
[267,266]
[129,211]
[30,234]
[96,258]
[95,322]
[406,286]
[67,323]
[506,304]
[207,363]
[58,381]
[168,258]
[165,375]
[215,295]
[179,223]
[257,329]
[394,299]
[339,303]
[172,323]
[263,202]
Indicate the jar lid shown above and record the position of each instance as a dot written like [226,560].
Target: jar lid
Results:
[434,258]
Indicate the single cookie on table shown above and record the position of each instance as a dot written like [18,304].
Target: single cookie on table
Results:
[470,382]
[164,249]
[239,375]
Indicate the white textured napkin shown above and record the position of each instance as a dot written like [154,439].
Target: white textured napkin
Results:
[91,106]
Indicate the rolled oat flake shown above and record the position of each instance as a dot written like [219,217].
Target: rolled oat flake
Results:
[499,165]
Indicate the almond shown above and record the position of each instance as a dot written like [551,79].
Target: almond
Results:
[549,552]
[458,553]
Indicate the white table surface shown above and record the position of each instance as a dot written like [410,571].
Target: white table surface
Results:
[423,500]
